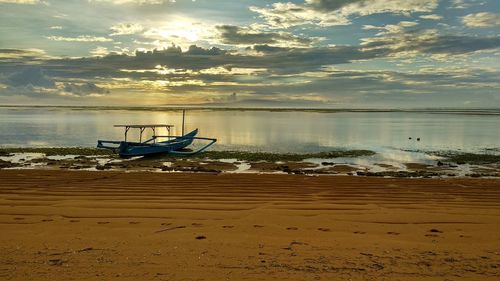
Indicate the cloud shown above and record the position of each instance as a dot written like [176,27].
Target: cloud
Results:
[126,29]
[283,60]
[396,41]
[391,28]
[336,12]
[83,89]
[235,35]
[267,49]
[392,41]
[135,2]
[28,2]
[368,7]
[26,55]
[484,19]
[368,87]
[29,91]
[34,82]
[277,76]
[100,51]
[465,4]
[285,15]
[259,61]
[179,30]
[27,81]
[267,69]
[431,17]
[331,5]
[29,76]
[81,38]
[459,4]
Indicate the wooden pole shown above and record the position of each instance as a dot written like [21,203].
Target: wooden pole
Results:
[183,115]
[140,137]
[126,131]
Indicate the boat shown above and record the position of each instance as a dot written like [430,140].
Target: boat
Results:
[174,145]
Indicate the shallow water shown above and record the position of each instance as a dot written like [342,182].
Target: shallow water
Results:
[272,131]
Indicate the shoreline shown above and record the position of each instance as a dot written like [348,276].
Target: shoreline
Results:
[410,164]
[61,225]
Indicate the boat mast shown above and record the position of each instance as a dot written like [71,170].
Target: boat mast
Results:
[183,114]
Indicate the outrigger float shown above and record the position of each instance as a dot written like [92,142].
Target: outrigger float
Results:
[174,145]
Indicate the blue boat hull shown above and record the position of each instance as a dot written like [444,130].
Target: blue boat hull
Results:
[130,149]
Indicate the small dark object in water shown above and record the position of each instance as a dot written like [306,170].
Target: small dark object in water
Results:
[439,163]
[201,237]
[409,138]
[327,163]
[418,139]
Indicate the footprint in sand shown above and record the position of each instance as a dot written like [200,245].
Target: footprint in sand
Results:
[393,233]
[47,220]
[74,221]
[134,222]
[292,228]
[102,222]
[257,226]
[359,232]
[201,237]
[324,229]
[227,226]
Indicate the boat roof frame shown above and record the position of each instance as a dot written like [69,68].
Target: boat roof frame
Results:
[135,126]
[144,127]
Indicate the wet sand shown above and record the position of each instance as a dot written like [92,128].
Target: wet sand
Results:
[79,225]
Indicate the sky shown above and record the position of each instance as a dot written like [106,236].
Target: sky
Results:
[251,53]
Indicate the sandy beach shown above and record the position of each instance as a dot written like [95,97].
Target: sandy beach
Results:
[79,225]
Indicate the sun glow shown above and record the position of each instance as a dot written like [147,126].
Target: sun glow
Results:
[179,31]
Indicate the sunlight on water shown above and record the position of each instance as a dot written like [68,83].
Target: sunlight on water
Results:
[258,130]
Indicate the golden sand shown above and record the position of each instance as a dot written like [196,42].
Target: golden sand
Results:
[62,225]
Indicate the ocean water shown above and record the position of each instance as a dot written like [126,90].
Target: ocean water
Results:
[272,131]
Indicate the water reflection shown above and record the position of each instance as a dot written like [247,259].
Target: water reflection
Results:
[258,130]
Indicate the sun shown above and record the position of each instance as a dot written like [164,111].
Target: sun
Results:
[180,30]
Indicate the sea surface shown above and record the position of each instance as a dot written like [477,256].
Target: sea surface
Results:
[292,131]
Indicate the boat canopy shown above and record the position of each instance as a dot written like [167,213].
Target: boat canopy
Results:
[144,127]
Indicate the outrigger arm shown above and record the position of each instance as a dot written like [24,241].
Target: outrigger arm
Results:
[188,153]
